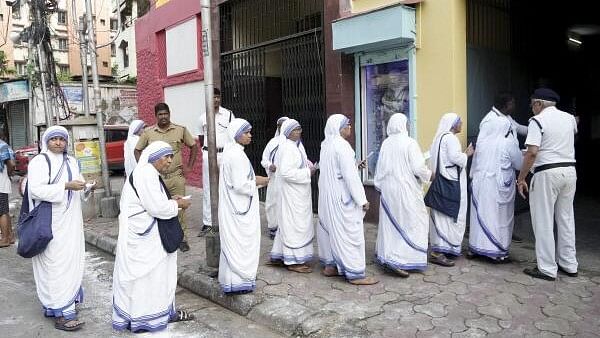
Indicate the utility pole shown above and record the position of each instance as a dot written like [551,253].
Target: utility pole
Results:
[108,203]
[213,245]
[41,53]
[83,55]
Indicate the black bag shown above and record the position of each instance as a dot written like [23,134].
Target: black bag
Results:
[444,194]
[34,228]
[171,234]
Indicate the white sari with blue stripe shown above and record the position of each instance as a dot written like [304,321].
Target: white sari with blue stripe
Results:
[145,275]
[403,221]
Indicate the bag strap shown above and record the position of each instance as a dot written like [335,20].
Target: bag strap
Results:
[133,186]
[161,183]
[437,169]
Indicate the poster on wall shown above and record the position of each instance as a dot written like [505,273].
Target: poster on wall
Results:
[385,92]
[14,91]
[88,154]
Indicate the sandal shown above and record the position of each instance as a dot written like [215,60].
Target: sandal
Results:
[441,259]
[4,244]
[330,271]
[300,268]
[182,316]
[68,325]
[364,281]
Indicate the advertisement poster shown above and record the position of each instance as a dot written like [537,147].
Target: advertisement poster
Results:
[13,91]
[74,98]
[88,154]
[385,92]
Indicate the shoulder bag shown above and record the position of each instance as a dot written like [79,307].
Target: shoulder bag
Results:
[444,194]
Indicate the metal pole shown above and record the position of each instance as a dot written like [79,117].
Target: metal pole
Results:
[97,103]
[84,75]
[212,238]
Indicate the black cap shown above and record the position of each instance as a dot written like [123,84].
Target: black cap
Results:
[545,94]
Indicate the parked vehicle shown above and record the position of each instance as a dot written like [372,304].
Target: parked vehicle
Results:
[115,136]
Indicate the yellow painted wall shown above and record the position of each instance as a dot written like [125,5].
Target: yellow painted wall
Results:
[365,5]
[441,65]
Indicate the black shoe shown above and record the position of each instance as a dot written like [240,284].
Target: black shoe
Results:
[501,260]
[570,274]
[517,239]
[184,246]
[470,255]
[205,229]
[535,273]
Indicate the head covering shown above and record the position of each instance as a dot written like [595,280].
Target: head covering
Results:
[134,127]
[279,123]
[490,142]
[545,94]
[54,131]
[153,152]
[237,127]
[397,124]
[289,125]
[335,124]
[447,122]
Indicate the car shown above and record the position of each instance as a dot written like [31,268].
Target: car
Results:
[115,136]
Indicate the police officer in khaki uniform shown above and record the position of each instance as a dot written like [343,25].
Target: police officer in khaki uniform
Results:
[176,136]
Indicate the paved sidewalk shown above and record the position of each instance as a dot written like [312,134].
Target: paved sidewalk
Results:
[474,298]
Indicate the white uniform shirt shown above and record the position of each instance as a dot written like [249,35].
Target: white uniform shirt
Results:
[222,119]
[555,138]
[5,184]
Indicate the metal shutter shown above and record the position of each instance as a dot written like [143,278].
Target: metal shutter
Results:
[17,116]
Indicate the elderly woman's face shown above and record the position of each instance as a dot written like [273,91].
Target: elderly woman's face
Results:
[163,163]
[245,138]
[57,145]
[295,134]
[346,132]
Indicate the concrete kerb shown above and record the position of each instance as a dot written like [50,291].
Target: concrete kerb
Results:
[277,313]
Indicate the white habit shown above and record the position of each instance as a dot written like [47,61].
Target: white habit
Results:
[493,188]
[145,275]
[239,217]
[293,241]
[58,270]
[445,233]
[129,147]
[403,220]
[340,232]
[273,191]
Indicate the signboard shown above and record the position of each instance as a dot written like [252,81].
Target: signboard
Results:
[74,96]
[88,154]
[14,91]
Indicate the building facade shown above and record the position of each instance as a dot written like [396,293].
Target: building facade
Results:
[123,51]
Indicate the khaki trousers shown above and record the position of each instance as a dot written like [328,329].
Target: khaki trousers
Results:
[175,182]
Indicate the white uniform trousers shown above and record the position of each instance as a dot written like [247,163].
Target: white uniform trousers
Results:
[551,199]
[206,216]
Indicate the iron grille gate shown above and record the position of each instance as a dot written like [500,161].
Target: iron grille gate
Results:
[264,80]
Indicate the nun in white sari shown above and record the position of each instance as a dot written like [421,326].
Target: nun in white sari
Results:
[145,275]
[293,243]
[493,190]
[446,233]
[58,270]
[239,215]
[136,127]
[342,203]
[403,220]
[268,162]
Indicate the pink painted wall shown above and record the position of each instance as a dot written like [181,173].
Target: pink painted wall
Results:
[151,63]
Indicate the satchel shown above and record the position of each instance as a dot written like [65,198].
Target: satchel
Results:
[444,194]
[171,234]
[34,228]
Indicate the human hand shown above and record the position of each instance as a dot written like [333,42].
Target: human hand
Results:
[75,185]
[183,203]
[523,188]
[470,150]
[262,181]
[362,164]
[272,168]
[366,206]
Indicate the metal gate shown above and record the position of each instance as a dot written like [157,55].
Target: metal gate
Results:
[269,72]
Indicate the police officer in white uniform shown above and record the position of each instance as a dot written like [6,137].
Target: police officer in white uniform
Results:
[222,119]
[551,157]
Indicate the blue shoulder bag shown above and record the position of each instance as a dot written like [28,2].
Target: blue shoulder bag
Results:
[35,227]
[443,194]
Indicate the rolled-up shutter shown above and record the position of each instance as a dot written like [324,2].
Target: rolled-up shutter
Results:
[17,113]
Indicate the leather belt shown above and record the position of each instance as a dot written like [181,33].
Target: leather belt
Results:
[219,150]
[552,166]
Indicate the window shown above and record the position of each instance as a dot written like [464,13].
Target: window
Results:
[103,22]
[124,47]
[21,68]
[104,64]
[63,44]
[16,11]
[113,49]
[1,17]
[63,69]
[114,24]
[384,92]
[62,17]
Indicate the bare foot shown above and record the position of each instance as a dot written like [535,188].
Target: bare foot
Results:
[330,271]
[4,244]
[300,268]
[364,281]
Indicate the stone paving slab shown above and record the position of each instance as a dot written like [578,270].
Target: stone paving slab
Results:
[472,299]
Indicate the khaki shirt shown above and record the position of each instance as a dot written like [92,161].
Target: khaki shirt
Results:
[175,135]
